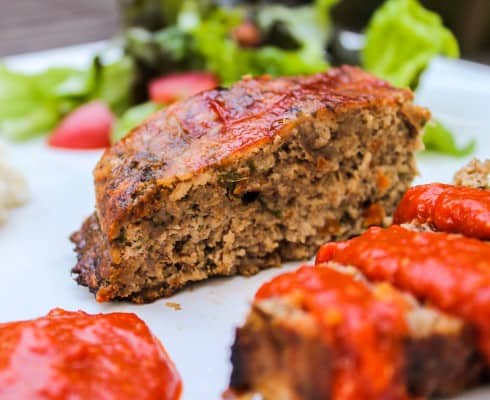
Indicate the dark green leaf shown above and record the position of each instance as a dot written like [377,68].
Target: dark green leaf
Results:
[114,83]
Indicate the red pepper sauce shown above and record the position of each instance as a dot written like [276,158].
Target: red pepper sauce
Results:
[448,208]
[74,355]
[450,271]
[365,331]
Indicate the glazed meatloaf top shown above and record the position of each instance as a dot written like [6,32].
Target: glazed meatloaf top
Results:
[219,126]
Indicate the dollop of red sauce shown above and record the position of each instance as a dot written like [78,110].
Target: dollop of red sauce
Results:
[447,208]
[450,271]
[364,330]
[74,355]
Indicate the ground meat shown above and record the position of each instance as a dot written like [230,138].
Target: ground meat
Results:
[475,174]
[235,180]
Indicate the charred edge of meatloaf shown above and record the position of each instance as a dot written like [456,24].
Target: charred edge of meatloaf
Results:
[440,356]
[92,253]
[443,365]
[475,174]
[326,179]
[279,353]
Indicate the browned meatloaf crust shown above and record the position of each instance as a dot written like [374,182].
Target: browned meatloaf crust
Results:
[231,181]
[279,353]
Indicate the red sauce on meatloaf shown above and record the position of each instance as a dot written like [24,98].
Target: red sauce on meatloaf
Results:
[450,271]
[364,329]
[74,355]
[448,208]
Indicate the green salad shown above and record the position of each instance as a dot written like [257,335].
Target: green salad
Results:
[226,43]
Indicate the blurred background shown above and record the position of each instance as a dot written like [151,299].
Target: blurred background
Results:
[30,25]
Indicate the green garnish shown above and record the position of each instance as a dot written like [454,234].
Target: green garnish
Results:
[131,118]
[32,104]
[230,180]
[203,40]
[438,138]
[308,26]
[401,40]
[113,83]
[231,177]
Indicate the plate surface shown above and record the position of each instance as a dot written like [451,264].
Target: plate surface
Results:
[36,256]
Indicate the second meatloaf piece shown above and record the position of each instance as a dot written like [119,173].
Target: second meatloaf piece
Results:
[326,333]
[475,174]
[235,180]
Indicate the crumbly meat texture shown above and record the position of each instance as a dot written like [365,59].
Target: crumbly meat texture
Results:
[475,174]
[279,354]
[236,180]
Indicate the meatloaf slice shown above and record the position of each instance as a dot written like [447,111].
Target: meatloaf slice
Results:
[235,180]
[283,353]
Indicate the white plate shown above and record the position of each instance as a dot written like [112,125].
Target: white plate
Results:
[36,256]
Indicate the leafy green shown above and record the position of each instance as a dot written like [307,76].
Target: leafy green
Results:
[203,40]
[15,94]
[113,83]
[175,42]
[221,54]
[229,61]
[439,139]
[78,84]
[309,25]
[155,54]
[32,104]
[131,118]
[36,122]
[401,40]
[155,14]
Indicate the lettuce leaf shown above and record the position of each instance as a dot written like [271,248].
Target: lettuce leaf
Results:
[220,53]
[131,118]
[113,83]
[439,139]
[32,104]
[308,25]
[401,40]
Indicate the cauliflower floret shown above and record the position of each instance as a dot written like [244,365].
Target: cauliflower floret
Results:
[14,191]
